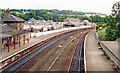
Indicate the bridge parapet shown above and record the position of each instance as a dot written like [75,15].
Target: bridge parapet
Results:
[111,50]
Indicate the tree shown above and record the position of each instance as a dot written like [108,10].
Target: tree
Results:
[113,26]
[61,18]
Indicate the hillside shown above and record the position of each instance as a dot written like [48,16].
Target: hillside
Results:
[56,11]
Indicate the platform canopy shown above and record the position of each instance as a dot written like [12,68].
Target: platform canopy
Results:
[8,31]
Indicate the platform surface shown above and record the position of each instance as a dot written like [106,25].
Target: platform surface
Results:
[95,60]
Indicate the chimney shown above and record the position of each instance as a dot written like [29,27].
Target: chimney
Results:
[6,14]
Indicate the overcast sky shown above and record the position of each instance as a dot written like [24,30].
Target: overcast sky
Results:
[100,6]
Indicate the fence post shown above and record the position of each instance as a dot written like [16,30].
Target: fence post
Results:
[8,44]
[14,42]
[19,41]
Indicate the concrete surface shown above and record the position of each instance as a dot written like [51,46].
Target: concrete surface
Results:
[113,47]
[95,61]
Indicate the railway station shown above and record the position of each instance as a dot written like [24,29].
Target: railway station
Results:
[70,46]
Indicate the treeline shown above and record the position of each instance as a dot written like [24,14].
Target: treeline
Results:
[56,11]
[41,15]
[56,17]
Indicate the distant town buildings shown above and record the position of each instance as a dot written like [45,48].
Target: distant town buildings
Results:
[42,25]
[76,23]
[102,15]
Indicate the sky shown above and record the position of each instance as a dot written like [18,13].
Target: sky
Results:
[99,6]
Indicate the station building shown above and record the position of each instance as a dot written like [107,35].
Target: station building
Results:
[12,32]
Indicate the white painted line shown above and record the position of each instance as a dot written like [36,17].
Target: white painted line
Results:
[85,52]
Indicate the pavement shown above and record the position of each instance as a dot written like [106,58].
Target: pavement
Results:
[95,60]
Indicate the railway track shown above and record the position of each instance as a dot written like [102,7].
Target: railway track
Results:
[43,49]
[77,60]
[71,60]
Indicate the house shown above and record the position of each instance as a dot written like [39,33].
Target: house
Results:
[33,21]
[57,25]
[49,25]
[12,20]
[41,22]
[42,25]
[34,25]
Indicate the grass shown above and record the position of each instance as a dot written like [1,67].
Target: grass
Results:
[101,35]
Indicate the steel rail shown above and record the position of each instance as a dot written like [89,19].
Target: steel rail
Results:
[18,64]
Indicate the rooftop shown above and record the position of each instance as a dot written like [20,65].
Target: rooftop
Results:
[14,18]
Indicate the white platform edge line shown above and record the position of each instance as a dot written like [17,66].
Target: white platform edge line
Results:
[85,51]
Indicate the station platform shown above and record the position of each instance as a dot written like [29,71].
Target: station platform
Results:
[95,60]
[34,40]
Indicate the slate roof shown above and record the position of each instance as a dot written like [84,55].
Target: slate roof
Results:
[14,18]
[33,21]
[6,28]
[2,36]
[41,21]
